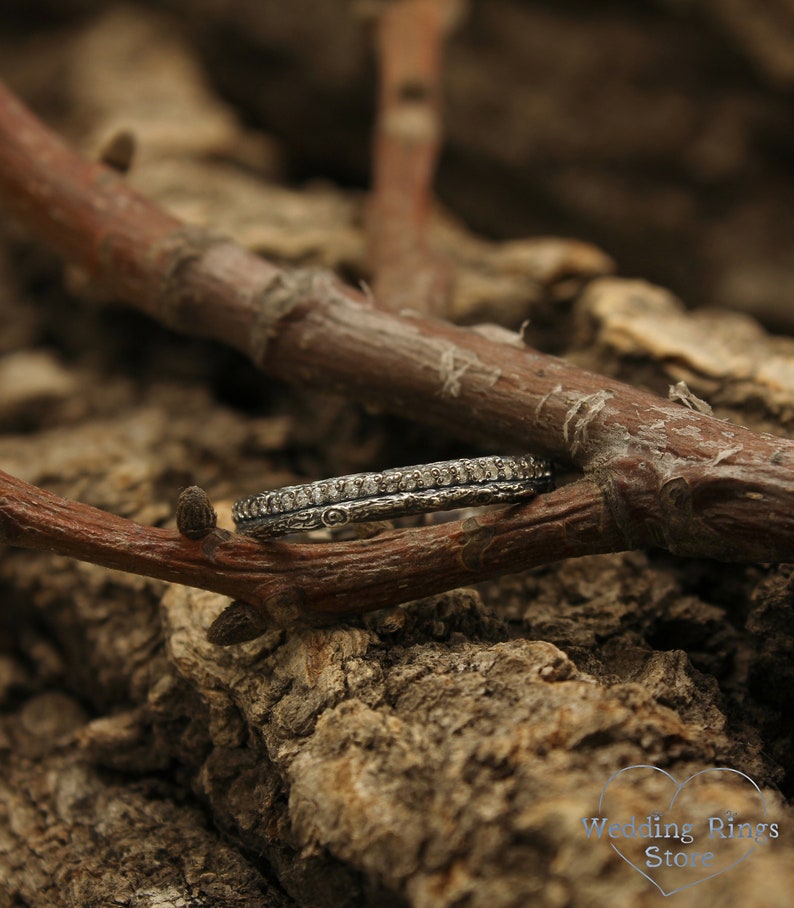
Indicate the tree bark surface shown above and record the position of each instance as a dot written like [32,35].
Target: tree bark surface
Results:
[441,753]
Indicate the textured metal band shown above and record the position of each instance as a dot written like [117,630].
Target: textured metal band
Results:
[392,493]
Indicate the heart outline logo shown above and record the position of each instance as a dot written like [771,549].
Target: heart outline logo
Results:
[679,787]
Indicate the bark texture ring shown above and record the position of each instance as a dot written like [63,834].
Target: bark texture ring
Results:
[392,493]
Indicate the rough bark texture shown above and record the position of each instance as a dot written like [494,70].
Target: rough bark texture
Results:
[439,754]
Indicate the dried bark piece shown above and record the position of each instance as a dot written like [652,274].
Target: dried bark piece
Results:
[450,771]
[724,355]
[34,387]
[508,282]
[65,827]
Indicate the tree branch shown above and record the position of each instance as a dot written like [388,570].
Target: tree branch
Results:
[287,581]
[410,37]
[656,472]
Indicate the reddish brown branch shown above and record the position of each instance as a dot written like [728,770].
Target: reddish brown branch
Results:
[658,474]
[288,579]
[407,142]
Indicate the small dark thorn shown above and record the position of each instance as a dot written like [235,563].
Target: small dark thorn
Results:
[237,623]
[195,515]
[118,151]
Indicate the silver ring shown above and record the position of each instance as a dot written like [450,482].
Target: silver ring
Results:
[392,493]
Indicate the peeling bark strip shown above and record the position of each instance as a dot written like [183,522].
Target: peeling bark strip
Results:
[669,476]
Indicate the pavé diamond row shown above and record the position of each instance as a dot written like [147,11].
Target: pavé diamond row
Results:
[392,493]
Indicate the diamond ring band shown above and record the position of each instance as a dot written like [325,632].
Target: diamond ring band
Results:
[392,493]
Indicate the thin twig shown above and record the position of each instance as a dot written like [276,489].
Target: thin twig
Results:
[407,141]
[290,580]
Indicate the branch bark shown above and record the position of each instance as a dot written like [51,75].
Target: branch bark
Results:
[656,473]
[286,581]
